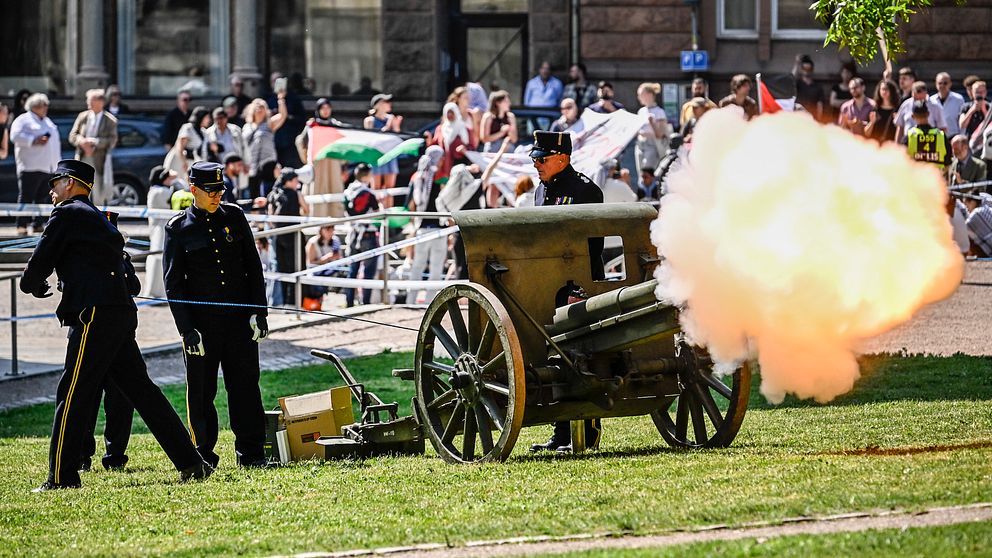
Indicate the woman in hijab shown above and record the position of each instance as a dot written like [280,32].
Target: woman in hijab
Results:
[326,172]
[454,138]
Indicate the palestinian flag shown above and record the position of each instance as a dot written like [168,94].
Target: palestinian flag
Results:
[360,146]
[776,92]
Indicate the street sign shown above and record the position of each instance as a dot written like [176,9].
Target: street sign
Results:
[695,60]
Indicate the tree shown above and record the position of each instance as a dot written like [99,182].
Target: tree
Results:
[864,26]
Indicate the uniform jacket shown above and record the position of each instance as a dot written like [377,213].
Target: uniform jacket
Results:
[211,257]
[86,250]
[106,134]
[570,187]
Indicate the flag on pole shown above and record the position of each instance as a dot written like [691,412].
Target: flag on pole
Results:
[360,146]
[776,92]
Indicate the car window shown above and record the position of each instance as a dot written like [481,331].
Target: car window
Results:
[129,136]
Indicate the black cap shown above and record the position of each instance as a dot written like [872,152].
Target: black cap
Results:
[77,170]
[158,175]
[551,143]
[207,176]
[232,158]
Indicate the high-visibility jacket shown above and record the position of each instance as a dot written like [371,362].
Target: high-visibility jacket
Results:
[927,145]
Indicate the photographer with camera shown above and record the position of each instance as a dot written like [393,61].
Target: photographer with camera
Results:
[975,113]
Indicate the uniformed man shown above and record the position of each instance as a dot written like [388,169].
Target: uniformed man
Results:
[210,257]
[563,185]
[87,252]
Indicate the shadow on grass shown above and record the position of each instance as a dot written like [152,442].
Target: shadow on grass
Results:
[888,377]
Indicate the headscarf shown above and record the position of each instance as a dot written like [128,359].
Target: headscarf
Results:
[316,113]
[424,178]
[450,129]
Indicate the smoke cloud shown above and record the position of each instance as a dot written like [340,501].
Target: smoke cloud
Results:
[793,241]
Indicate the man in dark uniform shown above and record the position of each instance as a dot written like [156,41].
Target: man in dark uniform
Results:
[210,257]
[87,252]
[561,184]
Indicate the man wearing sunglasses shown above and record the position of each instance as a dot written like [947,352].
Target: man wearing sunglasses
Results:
[561,184]
[83,246]
[212,270]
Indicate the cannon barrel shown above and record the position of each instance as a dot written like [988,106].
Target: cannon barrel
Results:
[603,306]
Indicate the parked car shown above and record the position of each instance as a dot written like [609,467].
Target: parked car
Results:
[138,150]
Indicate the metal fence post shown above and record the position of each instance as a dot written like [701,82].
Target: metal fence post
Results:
[385,262]
[298,255]
[13,327]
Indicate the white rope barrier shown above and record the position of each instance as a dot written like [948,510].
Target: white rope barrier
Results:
[376,252]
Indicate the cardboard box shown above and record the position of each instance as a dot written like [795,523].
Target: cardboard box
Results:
[310,416]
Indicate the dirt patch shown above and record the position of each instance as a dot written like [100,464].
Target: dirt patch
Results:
[883,452]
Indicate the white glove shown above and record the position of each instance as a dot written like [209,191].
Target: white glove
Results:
[193,343]
[259,326]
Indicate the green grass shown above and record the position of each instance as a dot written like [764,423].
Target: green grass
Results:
[969,539]
[787,461]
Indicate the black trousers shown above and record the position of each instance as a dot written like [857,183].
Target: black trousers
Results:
[101,348]
[286,246]
[227,342]
[117,431]
[32,187]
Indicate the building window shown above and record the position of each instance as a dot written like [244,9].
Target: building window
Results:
[34,49]
[792,19]
[737,18]
[328,47]
[493,6]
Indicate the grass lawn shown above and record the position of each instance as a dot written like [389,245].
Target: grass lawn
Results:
[969,539]
[797,458]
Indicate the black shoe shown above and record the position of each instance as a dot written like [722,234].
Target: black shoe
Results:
[199,471]
[561,437]
[48,485]
[262,463]
[85,464]
[114,463]
[209,457]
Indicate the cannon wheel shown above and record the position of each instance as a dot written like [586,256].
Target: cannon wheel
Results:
[709,410]
[472,411]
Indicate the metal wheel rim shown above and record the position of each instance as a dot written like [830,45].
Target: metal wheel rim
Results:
[496,394]
[688,420]
[124,195]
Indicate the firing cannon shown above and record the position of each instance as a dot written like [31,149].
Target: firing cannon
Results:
[517,354]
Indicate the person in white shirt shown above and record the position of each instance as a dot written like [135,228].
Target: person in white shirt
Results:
[36,154]
[652,138]
[904,118]
[94,135]
[223,137]
[950,102]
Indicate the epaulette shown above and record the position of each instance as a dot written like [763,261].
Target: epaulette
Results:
[65,202]
[175,219]
[229,205]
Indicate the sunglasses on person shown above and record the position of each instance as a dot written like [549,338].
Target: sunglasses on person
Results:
[542,160]
[184,99]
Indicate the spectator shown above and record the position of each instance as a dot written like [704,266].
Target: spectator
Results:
[286,199]
[606,103]
[322,248]
[498,123]
[740,85]
[652,138]
[979,223]
[882,121]
[699,107]
[949,101]
[809,94]
[191,144]
[543,90]
[238,92]
[855,113]
[223,138]
[840,93]
[20,102]
[579,89]
[524,190]
[965,167]
[230,106]
[365,88]
[647,187]
[286,92]
[463,192]
[699,87]
[471,117]
[4,131]
[926,143]
[114,104]
[569,121]
[478,100]
[175,119]
[967,82]
[453,137]
[259,142]
[37,152]
[907,77]
[382,119]
[233,169]
[162,184]
[905,120]
[364,236]
[975,112]
[94,135]
[432,253]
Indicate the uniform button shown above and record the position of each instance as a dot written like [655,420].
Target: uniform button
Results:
[112,273]
[218,261]
[216,250]
[221,282]
[213,240]
[222,272]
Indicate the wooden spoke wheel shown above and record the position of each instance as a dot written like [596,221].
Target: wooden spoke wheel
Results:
[710,409]
[471,410]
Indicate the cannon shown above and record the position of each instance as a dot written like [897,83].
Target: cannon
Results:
[560,322]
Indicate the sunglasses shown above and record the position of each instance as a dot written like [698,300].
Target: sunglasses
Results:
[184,99]
[542,160]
